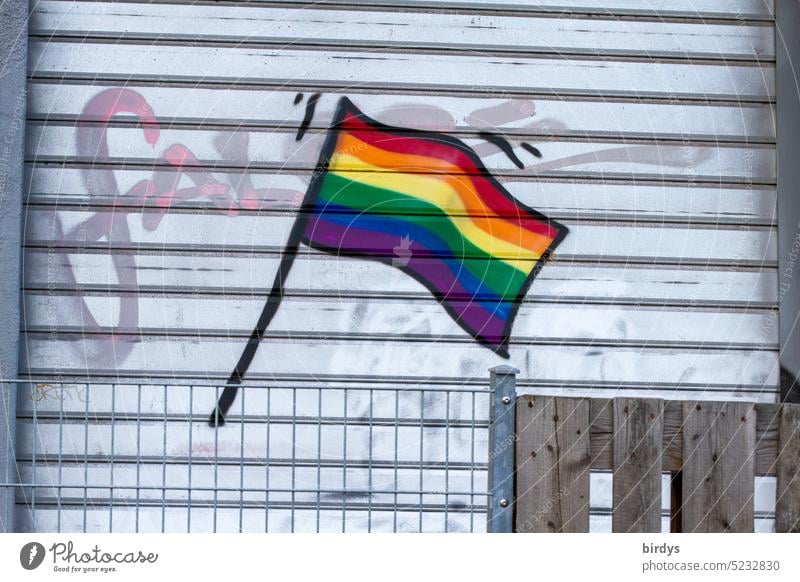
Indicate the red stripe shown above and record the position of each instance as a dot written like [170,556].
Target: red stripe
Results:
[494,198]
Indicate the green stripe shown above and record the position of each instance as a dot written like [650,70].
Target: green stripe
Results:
[501,277]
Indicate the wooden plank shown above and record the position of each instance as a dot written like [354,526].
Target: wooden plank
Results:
[602,430]
[787,513]
[542,116]
[673,436]
[383,70]
[553,460]
[767,431]
[766,435]
[718,466]
[602,423]
[279,151]
[403,30]
[638,439]
[165,273]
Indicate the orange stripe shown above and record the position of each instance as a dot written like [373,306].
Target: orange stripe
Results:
[481,215]
[455,152]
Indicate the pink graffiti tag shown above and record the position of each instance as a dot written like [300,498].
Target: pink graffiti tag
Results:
[152,197]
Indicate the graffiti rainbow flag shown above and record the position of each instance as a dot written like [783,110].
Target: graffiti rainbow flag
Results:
[424,203]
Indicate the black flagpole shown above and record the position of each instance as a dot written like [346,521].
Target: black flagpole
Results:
[274,299]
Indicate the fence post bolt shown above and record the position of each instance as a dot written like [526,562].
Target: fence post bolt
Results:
[502,442]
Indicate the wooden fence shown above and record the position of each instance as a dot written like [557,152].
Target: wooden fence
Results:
[713,450]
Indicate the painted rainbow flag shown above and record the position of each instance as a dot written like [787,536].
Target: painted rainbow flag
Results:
[425,203]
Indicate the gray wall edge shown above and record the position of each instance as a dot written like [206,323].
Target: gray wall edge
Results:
[787,20]
[13,100]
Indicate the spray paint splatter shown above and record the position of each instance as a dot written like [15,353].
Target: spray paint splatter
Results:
[504,146]
[529,148]
[311,105]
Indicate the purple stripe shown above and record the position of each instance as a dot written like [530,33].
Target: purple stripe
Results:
[433,272]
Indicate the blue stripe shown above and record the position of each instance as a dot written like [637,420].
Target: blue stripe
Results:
[385,224]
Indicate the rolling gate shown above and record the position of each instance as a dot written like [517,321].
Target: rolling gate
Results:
[366,406]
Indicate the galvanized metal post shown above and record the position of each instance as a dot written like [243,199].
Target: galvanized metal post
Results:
[502,442]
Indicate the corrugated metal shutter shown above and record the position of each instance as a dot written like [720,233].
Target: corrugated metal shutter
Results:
[656,130]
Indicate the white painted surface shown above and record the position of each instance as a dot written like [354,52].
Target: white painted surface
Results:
[405,30]
[657,134]
[386,70]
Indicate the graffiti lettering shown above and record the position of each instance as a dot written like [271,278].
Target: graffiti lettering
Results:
[62,392]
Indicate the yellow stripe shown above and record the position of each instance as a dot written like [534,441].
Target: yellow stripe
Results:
[434,191]
[506,228]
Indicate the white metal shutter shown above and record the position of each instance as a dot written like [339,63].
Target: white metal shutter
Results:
[656,128]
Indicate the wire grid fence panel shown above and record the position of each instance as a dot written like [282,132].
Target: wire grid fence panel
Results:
[142,457]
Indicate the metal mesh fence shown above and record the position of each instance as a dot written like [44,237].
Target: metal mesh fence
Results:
[142,457]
